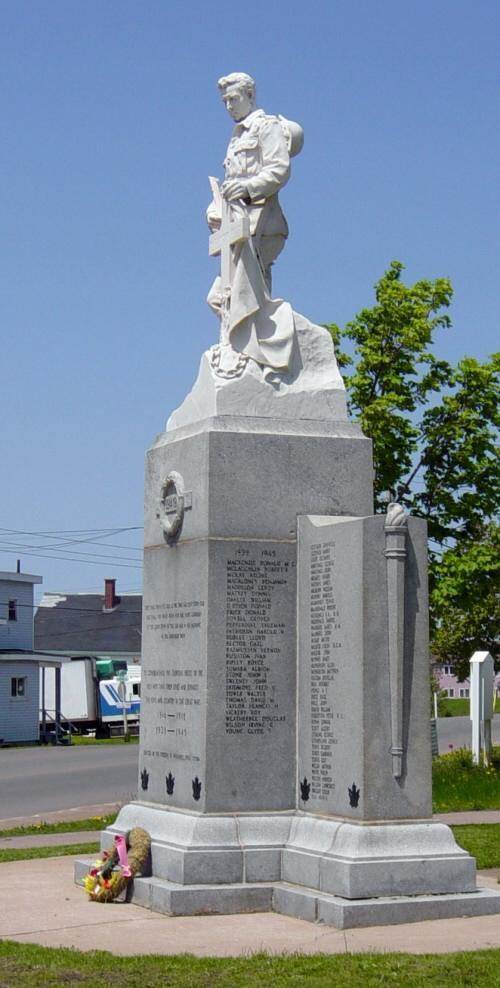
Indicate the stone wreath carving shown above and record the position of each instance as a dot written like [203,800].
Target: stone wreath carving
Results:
[227,372]
[172,504]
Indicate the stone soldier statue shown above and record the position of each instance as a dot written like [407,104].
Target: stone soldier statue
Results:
[257,166]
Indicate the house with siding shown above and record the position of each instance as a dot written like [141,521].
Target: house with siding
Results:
[102,625]
[452,688]
[19,664]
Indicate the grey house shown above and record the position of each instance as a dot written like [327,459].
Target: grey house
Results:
[19,664]
[105,625]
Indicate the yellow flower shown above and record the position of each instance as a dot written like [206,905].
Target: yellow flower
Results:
[89,883]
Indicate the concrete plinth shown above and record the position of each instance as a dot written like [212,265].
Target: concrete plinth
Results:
[371,860]
[315,868]
[347,914]
[175,899]
[331,855]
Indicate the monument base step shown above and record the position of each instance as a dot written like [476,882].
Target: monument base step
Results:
[320,869]
[347,914]
[172,899]
[332,856]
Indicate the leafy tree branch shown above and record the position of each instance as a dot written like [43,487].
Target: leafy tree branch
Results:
[434,429]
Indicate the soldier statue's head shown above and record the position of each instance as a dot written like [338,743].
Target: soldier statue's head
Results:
[238,94]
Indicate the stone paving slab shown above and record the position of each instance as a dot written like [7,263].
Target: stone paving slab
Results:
[488,874]
[66,918]
[469,816]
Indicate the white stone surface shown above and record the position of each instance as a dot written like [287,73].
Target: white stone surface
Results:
[312,389]
[219,641]
[364,861]
[345,763]
[175,899]
[246,211]
[347,914]
[334,856]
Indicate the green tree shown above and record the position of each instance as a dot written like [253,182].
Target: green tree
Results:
[435,431]
[465,599]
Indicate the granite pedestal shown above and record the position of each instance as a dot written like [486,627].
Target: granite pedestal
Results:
[285,730]
[219,627]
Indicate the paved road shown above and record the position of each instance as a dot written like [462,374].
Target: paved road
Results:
[36,780]
[457,732]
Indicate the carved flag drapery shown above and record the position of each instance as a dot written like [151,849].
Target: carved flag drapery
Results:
[254,324]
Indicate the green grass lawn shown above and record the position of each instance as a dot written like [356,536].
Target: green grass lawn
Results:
[79,739]
[83,739]
[29,966]
[55,851]
[482,840]
[457,784]
[453,708]
[65,827]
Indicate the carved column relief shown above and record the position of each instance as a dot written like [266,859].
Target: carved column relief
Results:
[395,552]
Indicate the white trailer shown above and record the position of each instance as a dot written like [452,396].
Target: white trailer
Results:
[110,697]
[88,700]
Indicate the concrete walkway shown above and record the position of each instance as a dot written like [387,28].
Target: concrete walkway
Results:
[49,840]
[469,816]
[60,915]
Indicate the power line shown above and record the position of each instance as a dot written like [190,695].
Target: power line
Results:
[71,559]
[91,540]
[56,552]
[56,532]
[20,547]
[103,545]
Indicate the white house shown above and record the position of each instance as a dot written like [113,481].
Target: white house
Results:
[19,664]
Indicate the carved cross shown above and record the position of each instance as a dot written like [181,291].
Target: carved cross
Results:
[232,231]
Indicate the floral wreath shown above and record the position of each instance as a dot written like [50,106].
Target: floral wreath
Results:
[110,875]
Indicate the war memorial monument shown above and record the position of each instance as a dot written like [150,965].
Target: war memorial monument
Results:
[285,759]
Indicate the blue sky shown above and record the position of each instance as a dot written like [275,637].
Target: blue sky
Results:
[112,123]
